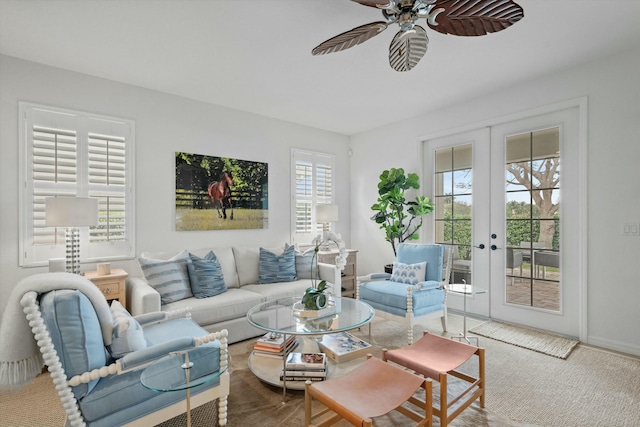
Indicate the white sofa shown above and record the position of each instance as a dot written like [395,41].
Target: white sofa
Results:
[240,267]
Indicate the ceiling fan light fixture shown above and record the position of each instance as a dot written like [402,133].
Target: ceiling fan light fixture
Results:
[455,17]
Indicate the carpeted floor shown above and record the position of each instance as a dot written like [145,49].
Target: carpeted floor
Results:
[591,387]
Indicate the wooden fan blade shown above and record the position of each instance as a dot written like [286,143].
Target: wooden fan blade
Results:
[380,4]
[475,17]
[350,38]
[407,48]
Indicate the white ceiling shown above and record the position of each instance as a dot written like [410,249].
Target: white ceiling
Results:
[255,55]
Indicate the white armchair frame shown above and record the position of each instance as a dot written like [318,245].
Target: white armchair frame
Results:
[31,308]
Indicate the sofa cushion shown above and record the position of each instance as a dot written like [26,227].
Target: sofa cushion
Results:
[233,304]
[227,262]
[75,331]
[295,288]
[305,262]
[248,263]
[277,268]
[205,276]
[127,332]
[169,277]
[410,274]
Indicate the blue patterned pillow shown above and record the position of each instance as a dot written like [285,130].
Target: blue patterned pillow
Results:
[277,268]
[127,332]
[410,274]
[169,277]
[205,275]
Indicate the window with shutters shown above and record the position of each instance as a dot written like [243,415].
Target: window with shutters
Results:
[312,184]
[71,153]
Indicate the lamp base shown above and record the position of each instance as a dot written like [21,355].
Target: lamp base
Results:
[72,236]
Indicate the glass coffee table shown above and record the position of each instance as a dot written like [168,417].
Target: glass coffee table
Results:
[181,371]
[280,316]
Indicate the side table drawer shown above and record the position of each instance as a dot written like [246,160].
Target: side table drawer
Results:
[110,289]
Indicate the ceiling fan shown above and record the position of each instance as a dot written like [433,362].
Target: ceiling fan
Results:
[457,17]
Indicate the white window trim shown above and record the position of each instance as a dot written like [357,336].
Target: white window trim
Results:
[38,255]
[315,158]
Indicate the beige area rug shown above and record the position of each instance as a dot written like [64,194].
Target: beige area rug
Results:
[592,388]
[529,338]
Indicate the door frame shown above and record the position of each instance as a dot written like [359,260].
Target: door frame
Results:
[428,230]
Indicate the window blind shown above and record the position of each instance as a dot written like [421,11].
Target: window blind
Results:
[71,153]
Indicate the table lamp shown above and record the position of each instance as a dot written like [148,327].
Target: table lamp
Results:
[326,214]
[71,213]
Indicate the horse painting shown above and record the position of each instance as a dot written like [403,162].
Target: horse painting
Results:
[220,194]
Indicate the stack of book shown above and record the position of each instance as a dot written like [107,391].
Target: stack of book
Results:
[343,346]
[305,366]
[273,345]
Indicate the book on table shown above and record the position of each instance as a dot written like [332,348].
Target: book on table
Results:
[273,340]
[342,346]
[306,361]
[275,352]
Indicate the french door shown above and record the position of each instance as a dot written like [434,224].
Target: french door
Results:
[507,201]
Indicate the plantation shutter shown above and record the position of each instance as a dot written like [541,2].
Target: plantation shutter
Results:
[67,153]
[313,184]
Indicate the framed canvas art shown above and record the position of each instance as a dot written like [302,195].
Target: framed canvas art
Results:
[219,193]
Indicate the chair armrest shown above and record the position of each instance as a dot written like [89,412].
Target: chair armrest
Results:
[429,284]
[148,319]
[141,358]
[331,274]
[142,297]
[374,276]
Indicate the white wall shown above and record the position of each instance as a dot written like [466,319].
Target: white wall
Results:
[164,124]
[613,150]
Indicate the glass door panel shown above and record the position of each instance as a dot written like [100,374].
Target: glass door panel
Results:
[532,186]
[453,194]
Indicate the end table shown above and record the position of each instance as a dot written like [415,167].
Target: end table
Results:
[112,285]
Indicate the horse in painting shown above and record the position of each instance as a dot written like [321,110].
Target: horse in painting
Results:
[220,194]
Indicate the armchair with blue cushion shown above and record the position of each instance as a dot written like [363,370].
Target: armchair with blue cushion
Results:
[96,355]
[414,290]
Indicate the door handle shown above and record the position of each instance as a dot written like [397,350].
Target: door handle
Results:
[494,247]
[480,246]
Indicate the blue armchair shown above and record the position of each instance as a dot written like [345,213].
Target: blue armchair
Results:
[410,292]
[98,381]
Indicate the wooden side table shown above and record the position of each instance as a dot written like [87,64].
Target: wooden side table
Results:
[349,272]
[112,285]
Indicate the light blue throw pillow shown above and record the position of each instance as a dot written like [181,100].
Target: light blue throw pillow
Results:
[306,265]
[169,277]
[277,268]
[205,275]
[410,274]
[127,332]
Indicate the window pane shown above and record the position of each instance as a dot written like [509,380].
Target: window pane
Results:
[532,175]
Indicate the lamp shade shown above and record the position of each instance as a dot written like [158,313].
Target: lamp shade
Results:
[326,213]
[71,211]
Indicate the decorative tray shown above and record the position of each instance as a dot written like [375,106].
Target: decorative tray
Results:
[300,311]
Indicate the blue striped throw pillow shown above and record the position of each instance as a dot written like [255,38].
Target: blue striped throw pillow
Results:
[277,268]
[205,275]
[169,277]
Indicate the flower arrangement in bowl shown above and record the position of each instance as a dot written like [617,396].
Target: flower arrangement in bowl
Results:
[315,297]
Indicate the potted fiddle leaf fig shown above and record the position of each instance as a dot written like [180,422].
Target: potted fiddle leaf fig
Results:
[398,216]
